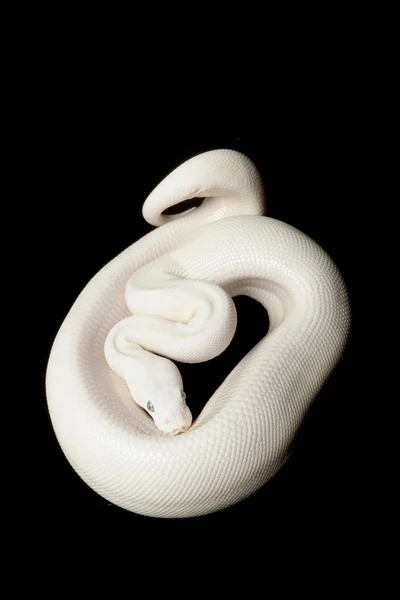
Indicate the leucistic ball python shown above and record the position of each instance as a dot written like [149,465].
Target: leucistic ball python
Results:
[117,400]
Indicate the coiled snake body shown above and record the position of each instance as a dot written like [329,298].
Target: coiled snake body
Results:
[178,281]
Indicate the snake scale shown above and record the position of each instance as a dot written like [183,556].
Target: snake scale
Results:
[169,296]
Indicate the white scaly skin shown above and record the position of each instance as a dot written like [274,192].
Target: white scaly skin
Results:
[178,281]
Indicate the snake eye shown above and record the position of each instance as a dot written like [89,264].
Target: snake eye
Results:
[183,395]
[150,407]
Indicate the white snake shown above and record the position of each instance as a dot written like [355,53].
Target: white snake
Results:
[179,281]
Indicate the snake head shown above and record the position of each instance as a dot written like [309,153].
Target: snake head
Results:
[156,385]
[170,412]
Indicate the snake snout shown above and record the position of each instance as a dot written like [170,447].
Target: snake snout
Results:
[177,430]
[174,428]
[178,423]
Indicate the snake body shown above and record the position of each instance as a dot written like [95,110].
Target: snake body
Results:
[179,280]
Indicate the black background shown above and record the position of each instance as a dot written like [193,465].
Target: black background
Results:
[97,165]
